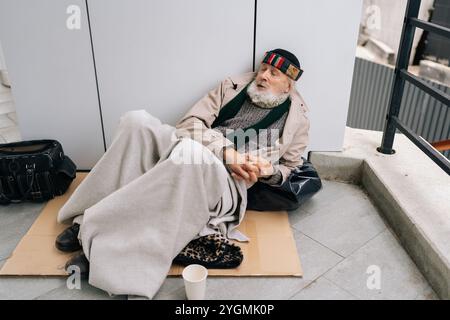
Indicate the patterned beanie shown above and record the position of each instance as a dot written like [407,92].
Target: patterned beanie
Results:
[285,61]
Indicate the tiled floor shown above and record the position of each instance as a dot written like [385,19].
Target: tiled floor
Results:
[341,239]
[339,234]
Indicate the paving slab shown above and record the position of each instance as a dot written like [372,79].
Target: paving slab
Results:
[399,277]
[323,289]
[343,225]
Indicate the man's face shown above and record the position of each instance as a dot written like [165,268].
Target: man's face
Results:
[271,79]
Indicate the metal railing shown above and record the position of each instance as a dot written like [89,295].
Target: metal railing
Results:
[401,74]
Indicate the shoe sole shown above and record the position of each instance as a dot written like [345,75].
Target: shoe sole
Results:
[68,248]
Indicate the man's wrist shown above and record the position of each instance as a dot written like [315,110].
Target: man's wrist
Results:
[272,172]
[274,179]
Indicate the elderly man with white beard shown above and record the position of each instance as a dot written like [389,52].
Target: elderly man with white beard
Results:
[266,103]
[253,125]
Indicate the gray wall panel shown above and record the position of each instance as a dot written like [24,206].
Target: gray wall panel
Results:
[52,76]
[323,35]
[163,56]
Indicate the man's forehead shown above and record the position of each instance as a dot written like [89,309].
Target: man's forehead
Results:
[278,71]
[268,66]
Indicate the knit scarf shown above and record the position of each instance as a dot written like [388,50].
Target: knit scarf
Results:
[232,108]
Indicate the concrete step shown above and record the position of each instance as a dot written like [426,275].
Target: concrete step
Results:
[410,190]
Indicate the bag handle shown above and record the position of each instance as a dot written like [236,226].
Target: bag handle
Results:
[30,172]
[26,147]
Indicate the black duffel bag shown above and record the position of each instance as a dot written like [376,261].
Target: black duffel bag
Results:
[35,170]
[301,185]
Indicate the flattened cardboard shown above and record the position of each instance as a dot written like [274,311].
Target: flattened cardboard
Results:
[270,252]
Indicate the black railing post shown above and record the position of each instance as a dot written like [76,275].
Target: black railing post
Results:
[403,55]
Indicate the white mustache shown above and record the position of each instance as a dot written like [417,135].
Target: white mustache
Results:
[264,99]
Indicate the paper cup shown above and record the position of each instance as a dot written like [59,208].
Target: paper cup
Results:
[194,276]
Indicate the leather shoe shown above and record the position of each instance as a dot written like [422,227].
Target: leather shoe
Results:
[68,241]
[81,262]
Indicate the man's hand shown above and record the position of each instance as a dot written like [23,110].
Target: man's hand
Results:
[247,167]
[265,167]
[241,168]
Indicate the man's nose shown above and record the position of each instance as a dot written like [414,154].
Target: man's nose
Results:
[265,75]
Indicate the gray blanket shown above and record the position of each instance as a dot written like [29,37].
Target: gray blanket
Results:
[145,199]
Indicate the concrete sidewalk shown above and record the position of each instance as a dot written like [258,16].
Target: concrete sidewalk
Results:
[411,191]
[340,237]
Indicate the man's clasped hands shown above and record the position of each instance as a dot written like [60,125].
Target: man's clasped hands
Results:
[246,166]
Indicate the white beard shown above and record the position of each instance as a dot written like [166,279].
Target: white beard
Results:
[265,99]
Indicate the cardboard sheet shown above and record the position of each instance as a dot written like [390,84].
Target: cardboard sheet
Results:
[270,252]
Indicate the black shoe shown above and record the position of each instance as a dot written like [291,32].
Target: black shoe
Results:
[81,262]
[68,241]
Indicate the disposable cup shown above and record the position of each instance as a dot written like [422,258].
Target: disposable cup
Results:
[194,276]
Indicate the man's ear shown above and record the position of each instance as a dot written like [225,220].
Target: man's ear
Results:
[289,87]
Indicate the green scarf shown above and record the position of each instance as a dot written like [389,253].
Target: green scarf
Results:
[232,108]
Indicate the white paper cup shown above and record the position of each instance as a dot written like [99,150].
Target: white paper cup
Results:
[194,276]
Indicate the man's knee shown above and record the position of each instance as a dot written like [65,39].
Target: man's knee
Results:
[137,119]
[189,151]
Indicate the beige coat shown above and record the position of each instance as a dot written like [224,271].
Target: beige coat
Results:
[292,143]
